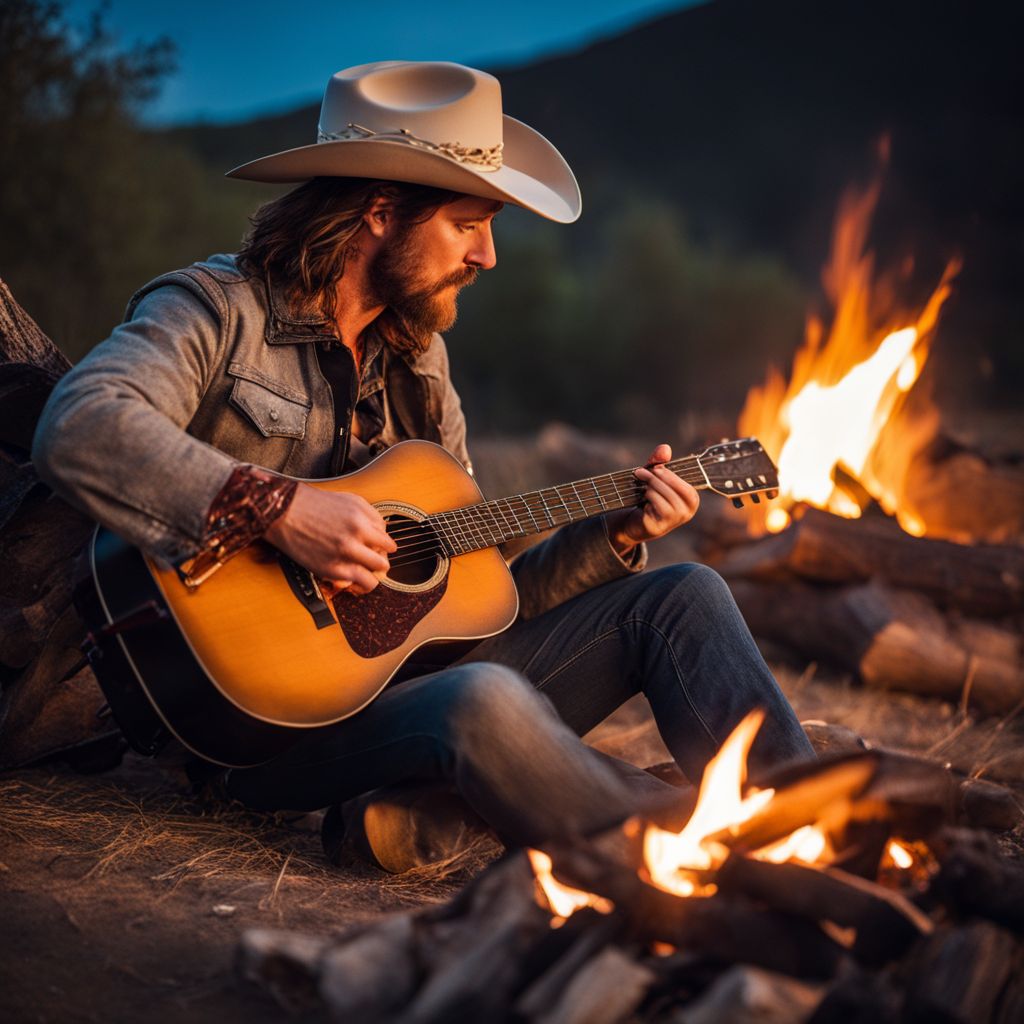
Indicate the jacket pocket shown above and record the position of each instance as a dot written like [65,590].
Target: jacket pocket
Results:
[275,408]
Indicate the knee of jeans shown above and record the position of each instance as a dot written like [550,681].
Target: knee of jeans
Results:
[696,580]
[487,698]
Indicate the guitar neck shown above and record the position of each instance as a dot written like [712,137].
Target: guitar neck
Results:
[490,523]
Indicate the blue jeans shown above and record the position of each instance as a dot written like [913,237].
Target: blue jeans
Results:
[503,724]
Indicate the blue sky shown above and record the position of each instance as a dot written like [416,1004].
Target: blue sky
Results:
[239,59]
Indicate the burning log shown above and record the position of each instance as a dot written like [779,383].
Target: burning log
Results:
[886,924]
[981,579]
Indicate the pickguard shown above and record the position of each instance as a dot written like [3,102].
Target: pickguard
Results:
[380,621]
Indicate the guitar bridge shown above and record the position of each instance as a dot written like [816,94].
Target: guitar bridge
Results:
[304,586]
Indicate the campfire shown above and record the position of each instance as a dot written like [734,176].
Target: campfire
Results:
[846,889]
[842,428]
[892,552]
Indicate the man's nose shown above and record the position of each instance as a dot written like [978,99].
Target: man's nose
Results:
[482,254]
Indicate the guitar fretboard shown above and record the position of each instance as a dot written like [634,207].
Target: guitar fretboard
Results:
[489,523]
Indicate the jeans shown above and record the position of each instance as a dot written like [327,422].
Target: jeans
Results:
[503,724]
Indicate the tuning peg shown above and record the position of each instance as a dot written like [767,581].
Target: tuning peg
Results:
[771,495]
[756,499]
[738,502]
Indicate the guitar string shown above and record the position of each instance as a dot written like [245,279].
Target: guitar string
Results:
[683,466]
[472,516]
[538,498]
[590,504]
[438,523]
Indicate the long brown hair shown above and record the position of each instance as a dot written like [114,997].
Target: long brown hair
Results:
[303,239]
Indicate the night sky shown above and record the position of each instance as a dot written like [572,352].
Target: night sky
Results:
[236,60]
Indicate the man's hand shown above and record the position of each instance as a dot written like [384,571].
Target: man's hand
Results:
[339,537]
[669,501]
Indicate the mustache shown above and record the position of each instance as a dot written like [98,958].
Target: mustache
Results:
[461,278]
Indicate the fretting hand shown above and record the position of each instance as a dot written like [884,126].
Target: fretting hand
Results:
[341,538]
[668,502]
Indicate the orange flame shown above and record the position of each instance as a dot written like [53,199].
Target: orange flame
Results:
[674,859]
[843,416]
[563,900]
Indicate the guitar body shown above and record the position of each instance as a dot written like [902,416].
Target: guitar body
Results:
[265,652]
[238,667]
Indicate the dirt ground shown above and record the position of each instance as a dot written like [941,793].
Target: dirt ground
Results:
[122,895]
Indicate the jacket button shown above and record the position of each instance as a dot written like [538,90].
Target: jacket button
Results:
[274,415]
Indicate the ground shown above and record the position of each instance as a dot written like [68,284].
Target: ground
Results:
[122,895]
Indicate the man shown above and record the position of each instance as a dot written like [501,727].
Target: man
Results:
[314,349]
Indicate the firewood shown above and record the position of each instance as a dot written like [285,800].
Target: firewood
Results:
[606,990]
[891,639]
[937,488]
[565,952]
[974,878]
[886,923]
[749,995]
[985,579]
[477,945]
[372,974]
[859,997]
[285,963]
[988,805]
[801,793]
[957,975]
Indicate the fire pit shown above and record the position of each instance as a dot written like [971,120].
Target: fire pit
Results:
[841,890]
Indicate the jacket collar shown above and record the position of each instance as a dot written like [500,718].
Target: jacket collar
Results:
[288,323]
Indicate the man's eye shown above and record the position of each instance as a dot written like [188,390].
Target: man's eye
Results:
[465,227]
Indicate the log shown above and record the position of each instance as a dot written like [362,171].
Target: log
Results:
[607,990]
[984,579]
[958,974]
[374,973]
[885,922]
[285,963]
[975,879]
[890,639]
[748,995]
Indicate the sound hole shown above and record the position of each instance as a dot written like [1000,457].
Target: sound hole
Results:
[419,550]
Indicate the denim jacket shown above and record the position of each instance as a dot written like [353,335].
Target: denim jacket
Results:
[212,368]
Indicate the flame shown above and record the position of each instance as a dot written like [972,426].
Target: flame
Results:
[807,844]
[563,900]
[843,427]
[673,858]
[900,855]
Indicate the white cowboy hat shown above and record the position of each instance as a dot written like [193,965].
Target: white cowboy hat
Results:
[431,123]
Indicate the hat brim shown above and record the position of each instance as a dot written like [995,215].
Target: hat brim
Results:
[533,173]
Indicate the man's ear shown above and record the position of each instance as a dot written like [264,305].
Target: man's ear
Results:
[379,217]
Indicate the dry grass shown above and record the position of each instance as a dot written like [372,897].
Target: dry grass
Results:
[106,825]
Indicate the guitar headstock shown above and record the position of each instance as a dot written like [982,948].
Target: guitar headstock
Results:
[738,468]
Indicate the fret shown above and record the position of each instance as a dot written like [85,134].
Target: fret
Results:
[597,493]
[443,530]
[580,500]
[618,495]
[529,511]
[513,531]
[469,528]
[558,495]
[495,530]
[547,511]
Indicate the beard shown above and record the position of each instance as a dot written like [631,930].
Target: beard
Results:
[420,309]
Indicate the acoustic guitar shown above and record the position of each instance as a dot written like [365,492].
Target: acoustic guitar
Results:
[238,667]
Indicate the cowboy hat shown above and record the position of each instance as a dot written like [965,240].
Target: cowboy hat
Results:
[431,123]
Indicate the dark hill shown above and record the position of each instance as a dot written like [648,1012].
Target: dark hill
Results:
[752,115]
